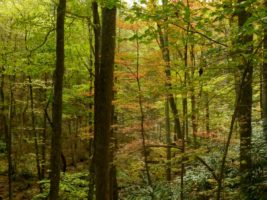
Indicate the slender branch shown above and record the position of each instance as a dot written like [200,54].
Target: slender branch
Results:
[40,45]
[71,14]
[192,30]
[234,116]
[208,167]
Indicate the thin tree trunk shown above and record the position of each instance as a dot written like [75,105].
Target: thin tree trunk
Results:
[185,106]
[44,136]
[57,104]
[242,112]
[166,57]
[43,168]
[234,117]
[164,46]
[168,140]
[142,119]
[193,98]
[9,138]
[103,103]
[36,146]
[207,113]
[96,50]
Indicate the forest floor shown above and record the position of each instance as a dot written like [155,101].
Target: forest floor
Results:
[3,185]
[23,189]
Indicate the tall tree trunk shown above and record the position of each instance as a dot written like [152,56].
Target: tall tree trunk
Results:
[8,138]
[57,103]
[193,98]
[245,104]
[142,117]
[103,103]
[264,81]
[43,163]
[35,135]
[164,46]
[96,50]
[44,133]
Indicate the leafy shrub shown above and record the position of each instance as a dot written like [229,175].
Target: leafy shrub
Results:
[72,187]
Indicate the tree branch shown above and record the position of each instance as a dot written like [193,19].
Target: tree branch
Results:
[192,30]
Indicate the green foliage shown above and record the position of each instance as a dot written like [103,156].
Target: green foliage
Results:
[160,190]
[72,187]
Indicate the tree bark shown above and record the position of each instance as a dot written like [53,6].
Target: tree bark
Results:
[264,81]
[168,140]
[57,104]
[245,104]
[96,50]
[103,103]
[8,138]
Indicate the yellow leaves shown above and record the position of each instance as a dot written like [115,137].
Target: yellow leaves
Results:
[128,26]
[85,133]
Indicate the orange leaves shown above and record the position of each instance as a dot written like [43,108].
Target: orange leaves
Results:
[124,25]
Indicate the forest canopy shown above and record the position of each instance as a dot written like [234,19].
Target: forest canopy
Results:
[133,100]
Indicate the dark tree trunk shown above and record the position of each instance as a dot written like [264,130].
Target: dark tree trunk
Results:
[168,140]
[8,138]
[164,46]
[245,103]
[113,148]
[264,81]
[92,153]
[57,104]
[103,104]
[166,57]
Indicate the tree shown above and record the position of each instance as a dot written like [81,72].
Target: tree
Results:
[245,104]
[164,46]
[103,102]
[57,103]
[264,79]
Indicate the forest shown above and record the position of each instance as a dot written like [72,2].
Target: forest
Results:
[133,100]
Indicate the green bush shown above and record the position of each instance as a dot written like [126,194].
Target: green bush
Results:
[72,187]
